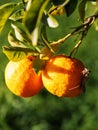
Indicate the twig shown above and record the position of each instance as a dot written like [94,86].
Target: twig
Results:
[82,29]
[58,7]
[85,27]
[76,47]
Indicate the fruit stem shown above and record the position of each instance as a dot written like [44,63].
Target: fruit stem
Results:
[76,47]
[37,49]
[45,39]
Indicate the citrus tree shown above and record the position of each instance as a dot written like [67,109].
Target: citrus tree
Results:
[38,56]
[28,36]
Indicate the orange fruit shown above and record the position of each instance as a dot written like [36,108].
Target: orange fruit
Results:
[21,79]
[64,76]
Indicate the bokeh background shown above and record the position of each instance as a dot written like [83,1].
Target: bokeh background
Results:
[46,111]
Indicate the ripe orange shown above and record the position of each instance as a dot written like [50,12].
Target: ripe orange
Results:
[64,76]
[21,78]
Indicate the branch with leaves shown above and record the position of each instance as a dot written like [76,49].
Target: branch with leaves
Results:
[28,16]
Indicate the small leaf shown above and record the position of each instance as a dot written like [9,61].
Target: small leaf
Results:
[28,4]
[5,11]
[13,41]
[18,33]
[21,33]
[82,6]
[35,36]
[70,7]
[18,53]
[18,15]
[52,22]
[33,15]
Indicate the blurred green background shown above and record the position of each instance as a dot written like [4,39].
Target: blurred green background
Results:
[45,111]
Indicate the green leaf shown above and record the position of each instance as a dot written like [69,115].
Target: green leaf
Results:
[18,53]
[70,7]
[13,41]
[58,2]
[21,33]
[96,24]
[5,12]
[35,36]
[50,21]
[34,14]
[44,35]
[18,15]
[82,6]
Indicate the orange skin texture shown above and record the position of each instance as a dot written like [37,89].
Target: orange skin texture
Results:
[62,76]
[21,79]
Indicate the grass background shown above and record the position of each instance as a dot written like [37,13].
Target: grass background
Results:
[45,111]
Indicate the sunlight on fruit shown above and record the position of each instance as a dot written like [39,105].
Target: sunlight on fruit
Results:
[21,78]
[64,76]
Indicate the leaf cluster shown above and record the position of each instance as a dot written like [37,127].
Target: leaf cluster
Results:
[29,17]
[45,111]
